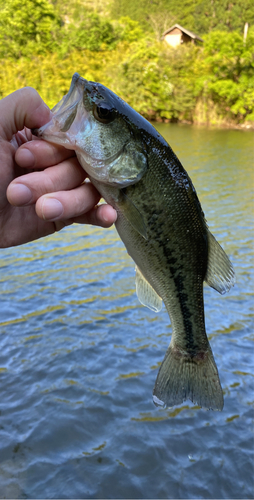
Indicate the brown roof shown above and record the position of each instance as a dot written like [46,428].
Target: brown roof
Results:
[184,30]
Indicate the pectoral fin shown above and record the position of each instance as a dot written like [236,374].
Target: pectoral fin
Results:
[146,294]
[220,274]
[132,214]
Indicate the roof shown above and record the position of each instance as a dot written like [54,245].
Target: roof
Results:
[184,30]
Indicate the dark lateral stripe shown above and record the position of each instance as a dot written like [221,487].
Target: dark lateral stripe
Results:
[191,345]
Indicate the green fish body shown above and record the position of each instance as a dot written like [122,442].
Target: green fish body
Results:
[161,223]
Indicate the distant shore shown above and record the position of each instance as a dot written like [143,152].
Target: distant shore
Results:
[219,125]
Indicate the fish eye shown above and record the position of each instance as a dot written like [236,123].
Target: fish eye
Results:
[103,113]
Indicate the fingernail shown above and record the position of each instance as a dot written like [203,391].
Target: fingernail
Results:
[44,107]
[43,114]
[109,214]
[51,209]
[25,158]
[19,194]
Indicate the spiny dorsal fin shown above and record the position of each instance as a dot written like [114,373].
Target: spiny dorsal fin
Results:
[220,274]
[146,294]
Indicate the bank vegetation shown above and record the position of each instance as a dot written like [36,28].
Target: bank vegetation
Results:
[43,44]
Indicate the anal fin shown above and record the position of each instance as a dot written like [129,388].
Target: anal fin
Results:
[146,294]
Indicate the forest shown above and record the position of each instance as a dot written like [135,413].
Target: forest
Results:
[119,44]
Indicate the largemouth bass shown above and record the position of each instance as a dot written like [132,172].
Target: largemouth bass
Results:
[160,221]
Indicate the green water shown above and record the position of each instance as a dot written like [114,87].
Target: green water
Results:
[79,356]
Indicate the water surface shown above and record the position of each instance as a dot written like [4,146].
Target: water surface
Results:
[79,356]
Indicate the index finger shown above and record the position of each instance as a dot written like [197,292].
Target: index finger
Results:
[22,108]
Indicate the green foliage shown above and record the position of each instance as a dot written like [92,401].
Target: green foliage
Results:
[230,72]
[144,11]
[200,16]
[182,67]
[223,15]
[93,33]
[42,45]
[27,26]
[130,30]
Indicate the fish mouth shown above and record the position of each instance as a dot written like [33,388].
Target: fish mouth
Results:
[71,121]
[74,126]
[61,128]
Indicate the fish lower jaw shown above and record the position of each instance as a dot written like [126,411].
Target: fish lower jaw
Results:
[62,141]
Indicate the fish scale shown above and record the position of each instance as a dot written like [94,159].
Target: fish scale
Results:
[161,223]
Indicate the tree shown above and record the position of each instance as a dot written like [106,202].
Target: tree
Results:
[92,32]
[27,26]
[200,16]
[223,15]
[230,72]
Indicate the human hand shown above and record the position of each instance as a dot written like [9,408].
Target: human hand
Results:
[41,189]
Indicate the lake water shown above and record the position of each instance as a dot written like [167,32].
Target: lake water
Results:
[79,356]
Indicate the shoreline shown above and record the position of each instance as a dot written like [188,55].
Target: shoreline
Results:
[248,126]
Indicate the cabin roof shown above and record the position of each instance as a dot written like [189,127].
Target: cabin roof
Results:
[184,30]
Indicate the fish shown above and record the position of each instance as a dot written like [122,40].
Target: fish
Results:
[161,223]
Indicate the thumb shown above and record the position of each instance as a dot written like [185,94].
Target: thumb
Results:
[23,108]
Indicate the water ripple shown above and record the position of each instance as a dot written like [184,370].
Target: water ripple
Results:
[79,356]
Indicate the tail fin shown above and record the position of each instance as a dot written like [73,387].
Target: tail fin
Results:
[182,377]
